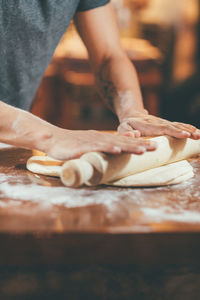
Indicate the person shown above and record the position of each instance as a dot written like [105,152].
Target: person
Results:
[29,33]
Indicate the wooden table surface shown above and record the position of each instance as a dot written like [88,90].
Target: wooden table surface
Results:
[43,222]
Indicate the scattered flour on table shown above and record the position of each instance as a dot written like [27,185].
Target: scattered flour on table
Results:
[163,213]
[185,207]
[48,196]
[139,199]
[163,206]
[4,146]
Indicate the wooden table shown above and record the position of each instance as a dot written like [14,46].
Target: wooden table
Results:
[45,223]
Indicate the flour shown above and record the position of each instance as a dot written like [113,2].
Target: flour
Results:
[4,146]
[179,203]
[48,196]
[125,100]
[136,199]
[185,207]
[15,124]
[164,214]
[12,187]
[18,125]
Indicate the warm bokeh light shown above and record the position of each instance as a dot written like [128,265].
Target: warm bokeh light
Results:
[159,36]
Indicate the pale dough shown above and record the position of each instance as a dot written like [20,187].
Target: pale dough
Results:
[44,165]
[166,165]
[169,150]
[169,174]
[173,173]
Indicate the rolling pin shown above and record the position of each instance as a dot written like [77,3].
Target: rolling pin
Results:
[95,168]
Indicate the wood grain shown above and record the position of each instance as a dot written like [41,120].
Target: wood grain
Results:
[142,226]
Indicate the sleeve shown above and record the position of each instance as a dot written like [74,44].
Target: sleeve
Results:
[90,4]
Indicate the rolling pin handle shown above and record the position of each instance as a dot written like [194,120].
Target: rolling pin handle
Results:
[76,173]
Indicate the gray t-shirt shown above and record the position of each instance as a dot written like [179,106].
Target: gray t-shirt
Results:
[30,30]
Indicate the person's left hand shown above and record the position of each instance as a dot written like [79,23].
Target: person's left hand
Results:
[148,125]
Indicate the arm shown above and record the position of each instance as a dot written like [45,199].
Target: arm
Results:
[117,79]
[23,129]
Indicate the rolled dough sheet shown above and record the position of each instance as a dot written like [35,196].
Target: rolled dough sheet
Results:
[173,173]
[44,165]
[154,168]
[169,150]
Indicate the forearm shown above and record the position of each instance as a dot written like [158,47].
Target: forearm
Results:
[117,79]
[118,85]
[23,129]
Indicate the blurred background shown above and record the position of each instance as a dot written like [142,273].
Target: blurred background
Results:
[161,37]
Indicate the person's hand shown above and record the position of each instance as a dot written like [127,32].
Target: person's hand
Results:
[68,144]
[148,125]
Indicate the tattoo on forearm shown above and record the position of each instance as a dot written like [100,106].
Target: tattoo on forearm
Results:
[107,87]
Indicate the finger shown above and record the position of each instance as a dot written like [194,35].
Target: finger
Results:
[98,147]
[150,145]
[126,144]
[194,132]
[139,145]
[127,130]
[196,135]
[116,146]
[124,127]
[135,148]
[176,132]
[132,133]
[185,127]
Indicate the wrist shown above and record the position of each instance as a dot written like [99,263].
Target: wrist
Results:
[131,114]
[128,104]
[31,132]
[23,129]
[48,137]
[43,139]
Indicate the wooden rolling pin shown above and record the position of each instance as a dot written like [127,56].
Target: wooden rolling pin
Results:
[98,168]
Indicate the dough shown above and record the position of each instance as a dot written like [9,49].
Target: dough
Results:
[115,167]
[169,174]
[164,166]
[173,173]
[44,165]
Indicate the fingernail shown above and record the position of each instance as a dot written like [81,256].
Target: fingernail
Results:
[128,134]
[137,134]
[186,133]
[141,149]
[152,144]
[132,133]
[196,134]
[117,149]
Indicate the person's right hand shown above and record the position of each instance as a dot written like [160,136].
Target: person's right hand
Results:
[148,125]
[68,144]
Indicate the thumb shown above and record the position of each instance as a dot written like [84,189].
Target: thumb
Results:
[127,130]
